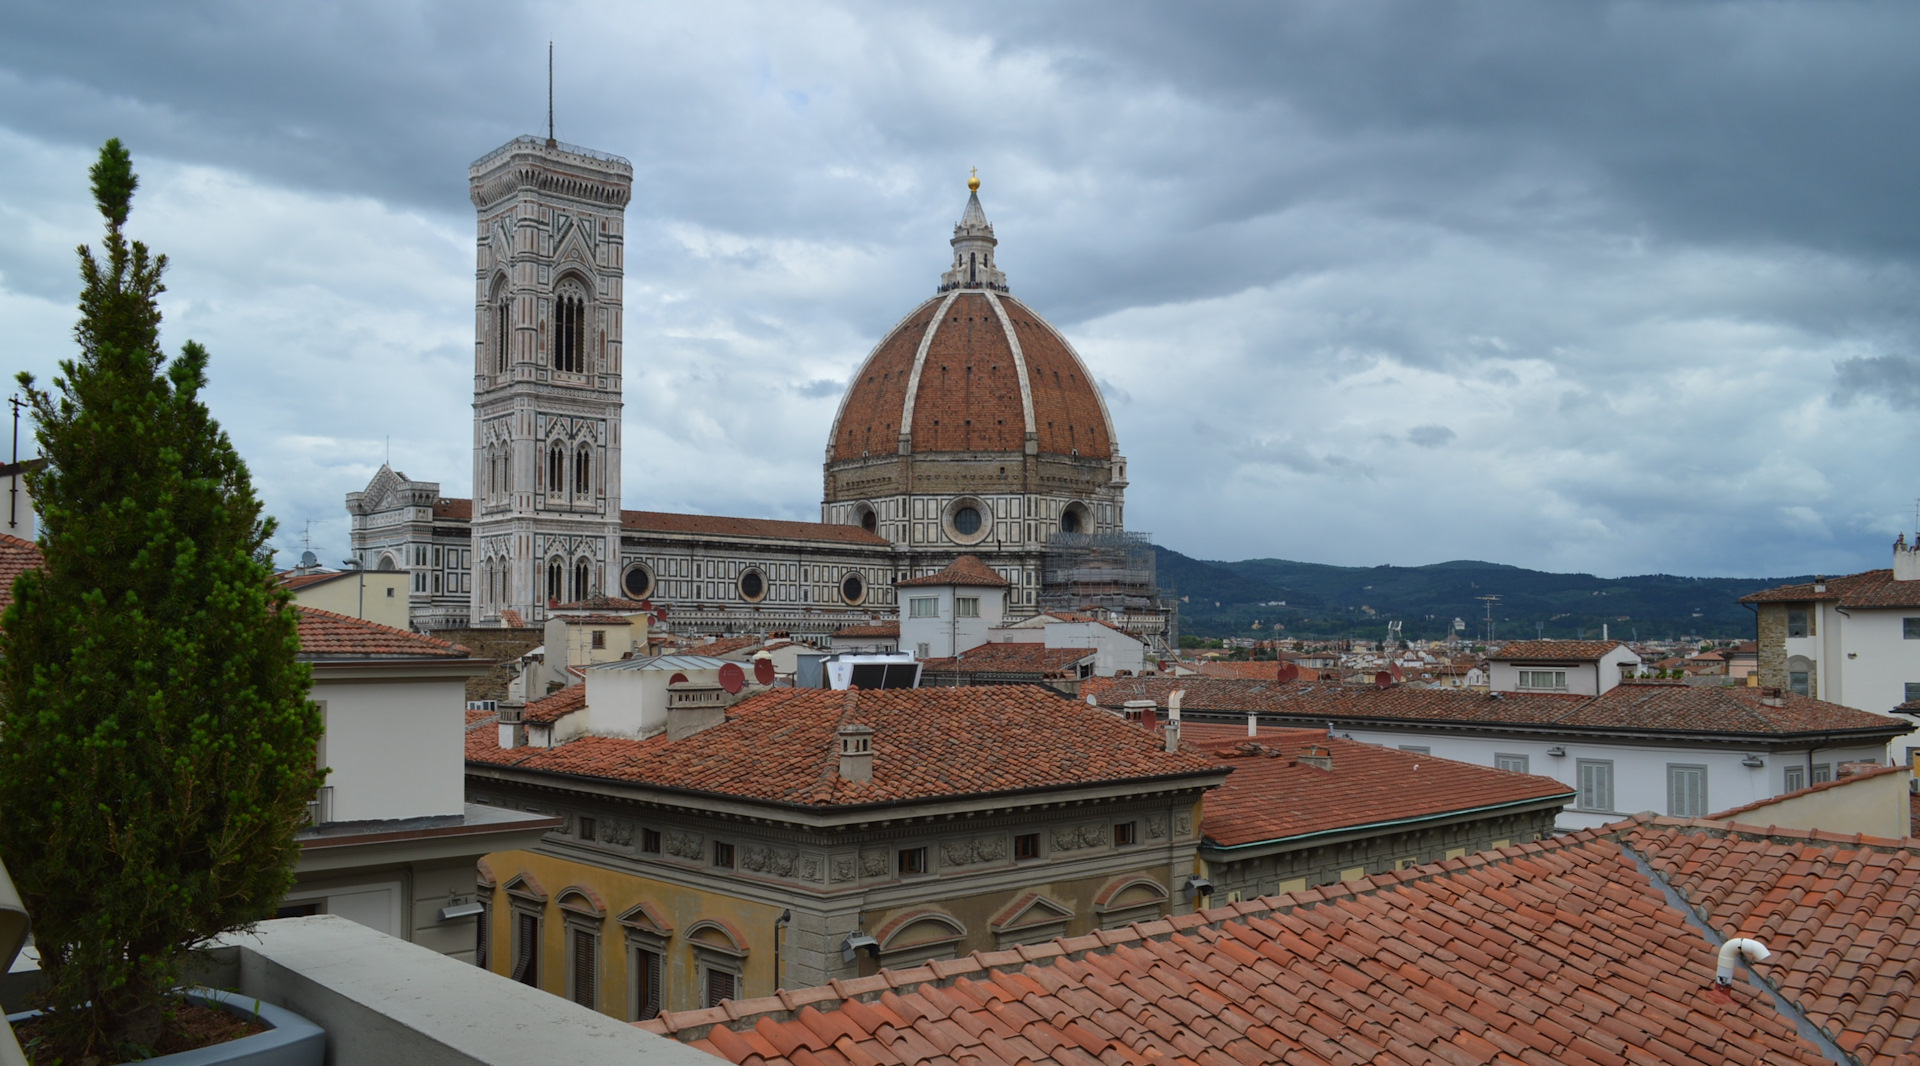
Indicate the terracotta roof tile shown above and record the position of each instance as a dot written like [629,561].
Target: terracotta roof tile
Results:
[1248,671]
[1531,651]
[603,604]
[1553,952]
[511,619]
[781,747]
[16,557]
[1025,659]
[1271,795]
[750,528]
[878,630]
[452,508]
[967,570]
[1633,706]
[325,635]
[1871,588]
[557,706]
[292,579]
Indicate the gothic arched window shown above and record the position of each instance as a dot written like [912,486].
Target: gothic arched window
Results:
[556,470]
[570,329]
[502,334]
[554,573]
[580,575]
[583,470]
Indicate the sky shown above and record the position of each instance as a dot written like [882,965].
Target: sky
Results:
[1614,288]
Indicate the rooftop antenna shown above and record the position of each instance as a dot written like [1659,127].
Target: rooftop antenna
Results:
[550,141]
[1489,600]
[13,479]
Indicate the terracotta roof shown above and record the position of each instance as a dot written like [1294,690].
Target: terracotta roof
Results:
[967,396]
[1036,660]
[1633,706]
[1252,671]
[1733,813]
[1271,795]
[511,618]
[726,646]
[1872,588]
[16,557]
[781,747]
[751,528]
[326,635]
[882,629]
[1560,952]
[967,570]
[291,580]
[555,707]
[453,508]
[1533,651]
[595,619]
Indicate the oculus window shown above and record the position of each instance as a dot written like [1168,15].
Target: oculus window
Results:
[853,589]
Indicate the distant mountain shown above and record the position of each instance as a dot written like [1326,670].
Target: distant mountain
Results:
[1220,599]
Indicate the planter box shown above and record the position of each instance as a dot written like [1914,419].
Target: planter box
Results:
[292,1040]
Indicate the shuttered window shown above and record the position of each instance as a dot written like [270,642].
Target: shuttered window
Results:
[1686,791]
[586,969]
[646,978]
[720,987]
[526,949]
[1596,785]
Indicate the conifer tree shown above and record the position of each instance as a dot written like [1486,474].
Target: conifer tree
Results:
[156,743]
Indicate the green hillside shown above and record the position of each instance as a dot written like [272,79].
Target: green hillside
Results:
[1221,599]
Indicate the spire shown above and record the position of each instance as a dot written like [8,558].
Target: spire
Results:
[973,243]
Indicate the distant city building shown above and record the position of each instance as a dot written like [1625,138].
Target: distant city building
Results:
[1579,667]
[1853,640]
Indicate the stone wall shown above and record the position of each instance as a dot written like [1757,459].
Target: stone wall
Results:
[1307,866]
[1772,623]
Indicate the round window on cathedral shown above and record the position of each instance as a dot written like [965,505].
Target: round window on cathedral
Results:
[1074,519]
[637,583]
[966,521]
[753,586]
[852,589]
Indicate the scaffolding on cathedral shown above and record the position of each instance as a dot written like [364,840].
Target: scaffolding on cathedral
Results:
[1112,571]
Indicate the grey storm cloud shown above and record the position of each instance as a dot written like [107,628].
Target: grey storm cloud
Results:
[1619,265]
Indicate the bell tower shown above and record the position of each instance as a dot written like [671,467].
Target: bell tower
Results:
[546,375]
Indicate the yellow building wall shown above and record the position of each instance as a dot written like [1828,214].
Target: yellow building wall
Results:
[383,599]
[680,906]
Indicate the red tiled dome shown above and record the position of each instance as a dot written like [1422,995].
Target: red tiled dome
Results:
[951,374]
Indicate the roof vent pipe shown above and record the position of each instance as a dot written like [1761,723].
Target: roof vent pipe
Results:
[1173,719]
[1738,948]
[1253,724]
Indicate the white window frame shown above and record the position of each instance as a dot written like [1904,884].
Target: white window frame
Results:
[1687,790]
[1510,762]
[966,607]
[1793,779]
[923,607]
[1532,680]
[1592,799]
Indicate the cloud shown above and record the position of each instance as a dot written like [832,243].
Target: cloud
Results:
[1626,270]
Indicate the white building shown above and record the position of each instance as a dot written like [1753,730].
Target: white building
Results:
[946,613]
[1852,640]
[1662,747]
[1116,651]
[1579,667]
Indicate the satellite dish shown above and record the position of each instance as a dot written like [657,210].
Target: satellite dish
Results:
[308,559]
[732,678]
[763,671]
[1289,672]
[1383,680]
[677,679]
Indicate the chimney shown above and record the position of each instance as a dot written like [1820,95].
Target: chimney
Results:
[856,752]
[1173,718]
[513,730]
[1253,724]
[694,707]
[1316,755]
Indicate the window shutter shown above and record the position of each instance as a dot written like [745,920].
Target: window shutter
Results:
[583,967]
[527,969]
[719,987]
[648,973]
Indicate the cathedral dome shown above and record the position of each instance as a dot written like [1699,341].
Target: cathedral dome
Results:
[972,370]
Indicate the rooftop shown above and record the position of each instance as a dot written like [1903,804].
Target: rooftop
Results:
[1272,795]
[877,630]
[1033,659]
[782,747]
[1873,588]
[16,557]
[1535,651]
[325,635]
[967,570]
[556,706]
[1566,951]
[752,528]
[1646,707]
